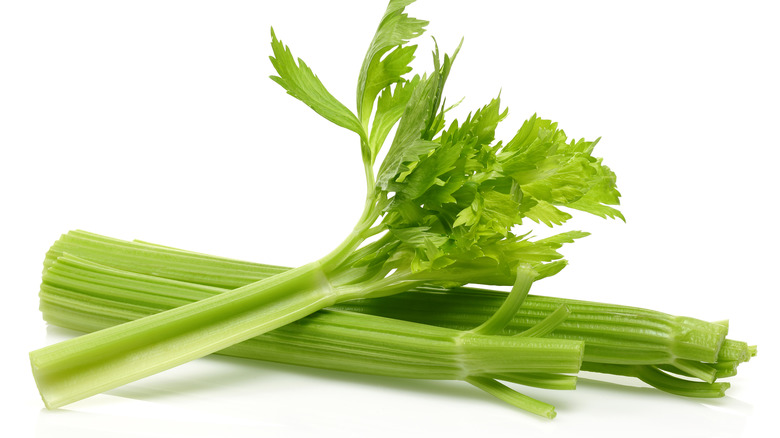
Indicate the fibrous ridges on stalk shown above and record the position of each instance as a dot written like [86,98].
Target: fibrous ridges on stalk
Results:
[86,295]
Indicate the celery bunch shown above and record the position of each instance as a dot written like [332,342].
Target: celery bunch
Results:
[442,210]
[655,347]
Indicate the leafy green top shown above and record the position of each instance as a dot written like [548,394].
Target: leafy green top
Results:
[446,197]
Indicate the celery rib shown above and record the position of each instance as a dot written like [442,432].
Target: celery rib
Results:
[336,340]
[453,306]
[612,333]
[94,363]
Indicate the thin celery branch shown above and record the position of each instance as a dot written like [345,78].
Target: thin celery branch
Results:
[513,397]
[371,213]
[358,235]
[373,231]
[548,324]
[523,280]
[370,210]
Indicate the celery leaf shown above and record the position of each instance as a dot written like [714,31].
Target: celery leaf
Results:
[301,83]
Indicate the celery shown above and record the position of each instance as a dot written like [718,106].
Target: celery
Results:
[442,210]
[86,296]
[618,339]
[441,207]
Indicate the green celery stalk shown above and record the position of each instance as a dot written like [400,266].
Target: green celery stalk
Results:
[613,333]
[441,207]
[90,364]
[85,296]
[369,344]
[620,332]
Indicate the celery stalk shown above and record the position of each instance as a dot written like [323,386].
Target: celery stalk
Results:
[613,333]
[90,364]
[617,331]
[85,296]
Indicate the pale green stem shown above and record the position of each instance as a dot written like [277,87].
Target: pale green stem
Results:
[548,324]
[513,397]
[523,281]
[94,363]
[87,296]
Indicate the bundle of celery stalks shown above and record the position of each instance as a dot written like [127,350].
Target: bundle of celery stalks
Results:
[441,212]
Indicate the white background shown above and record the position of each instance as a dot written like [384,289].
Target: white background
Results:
[156,120]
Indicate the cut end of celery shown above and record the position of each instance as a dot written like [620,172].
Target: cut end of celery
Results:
[40,383]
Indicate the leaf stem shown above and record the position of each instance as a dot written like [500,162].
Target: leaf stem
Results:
[513,397]
[548,324]
[524,279]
